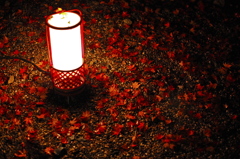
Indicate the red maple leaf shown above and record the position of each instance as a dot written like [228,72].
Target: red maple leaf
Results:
[41,90]
[31,33]
[199,86]
[230,78]
[28,120]
[63,130]
[2,110]
[136,157]
[190,132]
[149,69]
[74,127]
[64,140]
[21,153]
[125,4]
[102,77]
[32,90]
[16,121]
[73,121]
[234,117]
[121,101]
[129,116]
[101,128]
[39,40]
[112,40]
[16,52]
[86,115]
[163,48]
[41,116]
[125,14]
[141,126]
[131,67]
[171,54]
[159,136]
[131,124]
[49,150]
[155,45]
[5,39]
[94,21]
[54,122]
[130,106]
[200,93]
[198,115]
[207,133]
[64,116]
[133,53]
[167,24]
[95,46]
[141,114]
[31,20]
[87,136]
[113,90]
[23,70]
[117,129]
[107,16]
[1,44]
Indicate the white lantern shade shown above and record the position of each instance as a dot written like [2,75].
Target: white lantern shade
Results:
[65,41]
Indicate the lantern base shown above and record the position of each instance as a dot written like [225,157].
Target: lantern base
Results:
[69,83]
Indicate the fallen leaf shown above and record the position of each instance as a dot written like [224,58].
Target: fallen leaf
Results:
[117,129]
[227,65]
[21,153]
[49,150]
[167,25]
[101,128]
[159,136]
[86,115]
[28,120]
[130,116]
[5,39]
[11,80]
[135,85]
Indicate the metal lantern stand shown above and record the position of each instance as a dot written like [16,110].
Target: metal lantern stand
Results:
[65,39]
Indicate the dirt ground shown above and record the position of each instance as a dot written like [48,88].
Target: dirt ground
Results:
[162,82]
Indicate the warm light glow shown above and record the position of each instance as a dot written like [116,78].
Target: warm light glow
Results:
[64,19]
[66,45]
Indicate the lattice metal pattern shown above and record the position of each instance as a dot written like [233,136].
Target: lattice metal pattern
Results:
[68,79]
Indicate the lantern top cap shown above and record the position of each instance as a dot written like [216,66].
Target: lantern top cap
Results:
[64,19]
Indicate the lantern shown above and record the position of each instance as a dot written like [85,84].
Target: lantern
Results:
[64,31]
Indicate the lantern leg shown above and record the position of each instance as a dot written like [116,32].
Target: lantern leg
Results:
[69,93]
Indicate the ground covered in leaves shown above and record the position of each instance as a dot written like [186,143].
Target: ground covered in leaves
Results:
[163,82]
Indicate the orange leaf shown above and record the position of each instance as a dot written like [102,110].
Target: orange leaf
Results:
[136,157]
[130,116]
[167,24]
[159,136]
[227,65]
[49,150]
[207,132]
[168,121]
[31,33]
[41,116]
[21,153]
[135,85]
[28,120]
[86,115]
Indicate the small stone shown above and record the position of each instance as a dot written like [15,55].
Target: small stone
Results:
[127,21]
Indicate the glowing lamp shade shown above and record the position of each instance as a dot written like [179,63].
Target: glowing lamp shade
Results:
[66,49]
